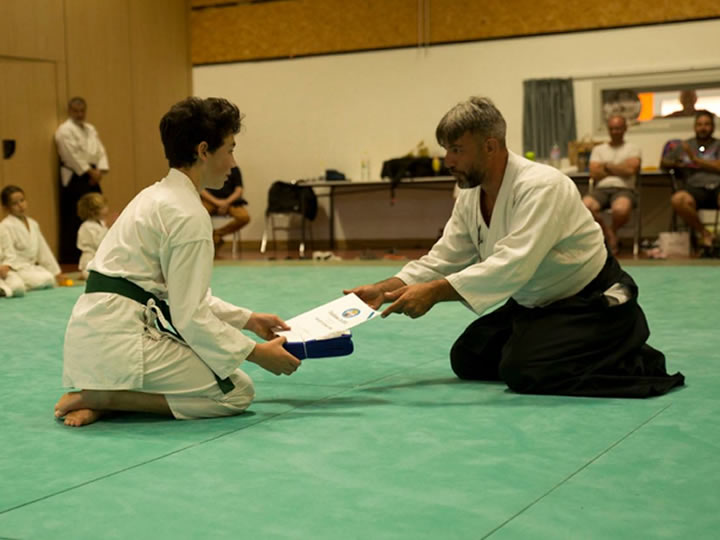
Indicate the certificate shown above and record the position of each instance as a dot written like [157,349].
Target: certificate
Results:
[329,320]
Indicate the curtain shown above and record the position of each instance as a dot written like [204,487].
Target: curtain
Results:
[548,116]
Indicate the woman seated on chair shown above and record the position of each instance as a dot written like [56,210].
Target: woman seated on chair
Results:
[227,201]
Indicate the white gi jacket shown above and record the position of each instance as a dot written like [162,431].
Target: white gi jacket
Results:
[7,251]
[30,245]
[162,242]
[542,244]
[79,147]
[12,284]
[89,236]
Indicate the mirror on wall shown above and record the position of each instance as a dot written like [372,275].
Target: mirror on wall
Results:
[656,102]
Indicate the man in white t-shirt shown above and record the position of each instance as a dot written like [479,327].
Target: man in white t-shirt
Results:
[614,167]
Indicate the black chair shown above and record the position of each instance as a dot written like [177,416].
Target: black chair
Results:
[289,200]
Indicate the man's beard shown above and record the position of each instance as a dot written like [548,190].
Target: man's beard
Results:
[703,135]
[469,180]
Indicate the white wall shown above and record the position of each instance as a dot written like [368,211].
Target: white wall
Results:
[309,114]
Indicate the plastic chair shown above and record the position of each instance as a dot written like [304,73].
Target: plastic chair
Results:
[234,238]
[289,200]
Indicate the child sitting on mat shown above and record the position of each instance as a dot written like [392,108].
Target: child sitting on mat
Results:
[92,208]
[147,335]
[36,264]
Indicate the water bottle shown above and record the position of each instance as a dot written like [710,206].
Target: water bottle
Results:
[555,156]
[365,168]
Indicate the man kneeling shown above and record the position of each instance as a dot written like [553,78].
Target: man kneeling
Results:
[519,233]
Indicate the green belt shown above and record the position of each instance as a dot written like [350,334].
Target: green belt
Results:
[97,282]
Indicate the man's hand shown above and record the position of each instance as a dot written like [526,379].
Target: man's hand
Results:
[416,300]
[265,325]
[95,176]
[372,295]
[272,357]
[411,300]
[689,151]
[4,270]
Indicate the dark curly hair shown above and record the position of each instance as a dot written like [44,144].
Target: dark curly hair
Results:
[194,120]
[7,192]
[709,114]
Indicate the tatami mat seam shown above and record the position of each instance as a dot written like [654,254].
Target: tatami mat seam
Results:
[158,458]
[575,473]
[199,443]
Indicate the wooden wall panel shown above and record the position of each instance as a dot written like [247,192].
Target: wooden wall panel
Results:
[29,116]
[161,76]
[299,27]
[99,69]
[452,20]
[233,31]
[128,58]
[32,29]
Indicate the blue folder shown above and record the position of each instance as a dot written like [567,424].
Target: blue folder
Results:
[321,348]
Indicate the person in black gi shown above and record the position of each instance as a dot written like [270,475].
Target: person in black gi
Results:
[520,234]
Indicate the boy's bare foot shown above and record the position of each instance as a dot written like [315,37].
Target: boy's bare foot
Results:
[91,404]
[82,417]
[69,402]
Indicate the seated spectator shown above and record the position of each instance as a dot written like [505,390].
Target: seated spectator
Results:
[614,166]
[227,201]
[36,265]
[10,282]
[92,208]
[697,160]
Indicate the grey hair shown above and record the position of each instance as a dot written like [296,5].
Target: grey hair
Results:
[76,99]
[478,115]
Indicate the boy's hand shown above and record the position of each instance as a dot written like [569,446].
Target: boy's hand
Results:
[272,357]
[265,325]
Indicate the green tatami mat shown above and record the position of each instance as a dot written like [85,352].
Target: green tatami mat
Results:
[385,443]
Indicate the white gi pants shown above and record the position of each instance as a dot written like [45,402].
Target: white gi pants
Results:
[36,277]
[13,284]
[112,343]
[173,369]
